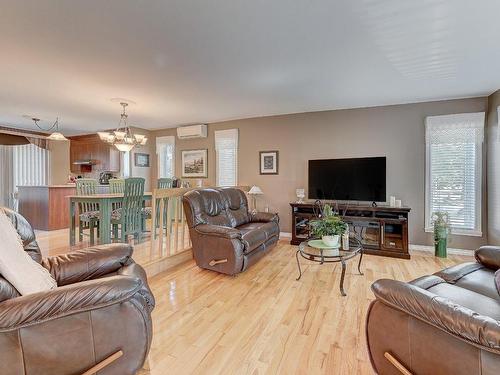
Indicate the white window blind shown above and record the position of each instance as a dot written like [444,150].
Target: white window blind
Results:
[226,149]
[165,149]
[21,165]
[454,158]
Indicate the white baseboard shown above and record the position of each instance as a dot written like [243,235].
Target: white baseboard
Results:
[430,249]
[285,235]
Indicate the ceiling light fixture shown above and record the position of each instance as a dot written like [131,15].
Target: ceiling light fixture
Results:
[54,136]
[123,138]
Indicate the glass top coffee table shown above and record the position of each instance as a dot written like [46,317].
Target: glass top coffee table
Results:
[331,255]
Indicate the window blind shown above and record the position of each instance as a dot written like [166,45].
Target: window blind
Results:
[454,151]
[165,149]
[21,165]
[226,148]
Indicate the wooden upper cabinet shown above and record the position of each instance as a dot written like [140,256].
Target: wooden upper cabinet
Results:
[90,148]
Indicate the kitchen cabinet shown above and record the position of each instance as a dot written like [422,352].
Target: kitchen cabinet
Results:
[100,155]
[46,207]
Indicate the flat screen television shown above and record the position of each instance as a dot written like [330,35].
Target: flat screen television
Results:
[356,179]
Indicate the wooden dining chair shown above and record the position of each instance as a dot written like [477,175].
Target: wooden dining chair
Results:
[88,212]
[129,218]
[116,186]
[165,183]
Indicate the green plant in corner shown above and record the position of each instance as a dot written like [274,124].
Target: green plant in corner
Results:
[441,224]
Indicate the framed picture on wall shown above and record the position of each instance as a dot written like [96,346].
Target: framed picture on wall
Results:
[141,160]
[194,163]
[269,162]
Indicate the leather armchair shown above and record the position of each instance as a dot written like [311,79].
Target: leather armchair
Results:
[226,237]
[101,309]
[446,323]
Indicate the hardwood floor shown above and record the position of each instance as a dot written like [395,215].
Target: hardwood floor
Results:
[263,321]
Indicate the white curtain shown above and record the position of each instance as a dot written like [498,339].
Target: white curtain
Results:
[21,165]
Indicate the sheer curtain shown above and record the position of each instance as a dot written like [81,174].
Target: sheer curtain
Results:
[21,165]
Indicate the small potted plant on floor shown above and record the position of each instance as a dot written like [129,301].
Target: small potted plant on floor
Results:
[441,231]
[329,228]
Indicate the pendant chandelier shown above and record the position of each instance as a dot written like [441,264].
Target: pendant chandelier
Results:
[54,136]
[123,138]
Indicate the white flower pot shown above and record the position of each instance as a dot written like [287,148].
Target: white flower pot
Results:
[332,241]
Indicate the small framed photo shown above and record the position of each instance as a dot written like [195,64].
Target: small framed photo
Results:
[269,162]
[141,160]
[194,163]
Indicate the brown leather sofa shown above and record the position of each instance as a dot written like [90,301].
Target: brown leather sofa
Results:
[446,323]
[226,237]
[102,306]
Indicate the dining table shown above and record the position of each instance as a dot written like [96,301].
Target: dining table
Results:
[105,202]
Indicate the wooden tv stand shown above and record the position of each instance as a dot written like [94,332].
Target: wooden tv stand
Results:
[383,230]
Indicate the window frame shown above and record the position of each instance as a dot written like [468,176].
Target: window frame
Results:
[479,151]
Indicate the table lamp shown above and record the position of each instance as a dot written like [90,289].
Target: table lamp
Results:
[254,191]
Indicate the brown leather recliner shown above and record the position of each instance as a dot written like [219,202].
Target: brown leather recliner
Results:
[446,323]
[226,237]
[102,306]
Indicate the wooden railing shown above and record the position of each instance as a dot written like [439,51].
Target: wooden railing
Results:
[169,230]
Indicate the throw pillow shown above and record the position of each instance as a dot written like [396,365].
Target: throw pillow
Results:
[16,266]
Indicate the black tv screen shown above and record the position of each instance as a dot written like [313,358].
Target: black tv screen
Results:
[357,179]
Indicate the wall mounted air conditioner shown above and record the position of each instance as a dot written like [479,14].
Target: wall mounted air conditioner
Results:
[192,131]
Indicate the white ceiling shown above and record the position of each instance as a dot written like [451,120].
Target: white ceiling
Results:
[188,61]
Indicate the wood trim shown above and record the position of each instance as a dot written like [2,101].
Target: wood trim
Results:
[104,363]
[23,132]
[402,369]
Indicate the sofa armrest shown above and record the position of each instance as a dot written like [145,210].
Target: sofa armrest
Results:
[488,256]
[88,264]
[440,312]
[88,295]
[218,231]
[264,217]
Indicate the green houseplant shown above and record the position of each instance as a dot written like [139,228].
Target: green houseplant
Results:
[441,224]
[329,228]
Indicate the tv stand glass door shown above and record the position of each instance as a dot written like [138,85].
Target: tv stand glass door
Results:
[367,231]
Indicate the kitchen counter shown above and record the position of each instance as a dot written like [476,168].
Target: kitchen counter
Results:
[46,207]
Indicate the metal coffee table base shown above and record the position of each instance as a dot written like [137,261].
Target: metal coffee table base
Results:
[326,259]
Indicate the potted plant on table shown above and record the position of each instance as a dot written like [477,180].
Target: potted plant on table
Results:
[329,228]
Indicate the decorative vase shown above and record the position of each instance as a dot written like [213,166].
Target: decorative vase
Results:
[332,241]
[440,241]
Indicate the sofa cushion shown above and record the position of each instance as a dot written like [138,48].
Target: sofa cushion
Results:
[472,276]
[252,239]
[255,234]
[16,266]
[236,206]
[206,206]
[25,232]
[477,302]
[482,281]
